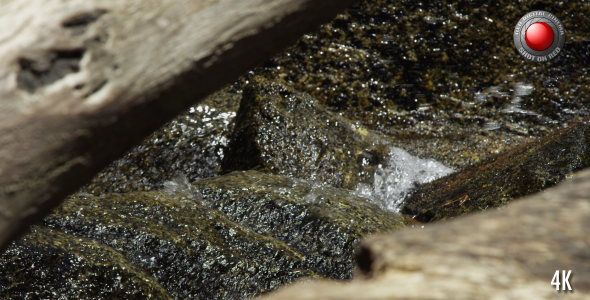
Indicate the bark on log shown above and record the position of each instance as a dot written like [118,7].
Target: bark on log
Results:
[82,81]
[512,253]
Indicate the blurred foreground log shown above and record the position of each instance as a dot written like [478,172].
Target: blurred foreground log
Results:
[82,81]
[512,253]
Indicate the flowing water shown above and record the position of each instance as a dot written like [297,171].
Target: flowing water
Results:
[440,81]
[395,180]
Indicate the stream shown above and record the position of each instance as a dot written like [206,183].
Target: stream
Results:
[393,115]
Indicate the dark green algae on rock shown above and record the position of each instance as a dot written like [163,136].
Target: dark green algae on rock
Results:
[527,169]
[283,131]
[227,237]
[313,228]
[443,78]
[191,251]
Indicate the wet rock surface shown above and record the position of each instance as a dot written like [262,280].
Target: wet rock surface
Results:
[236,235]
[49,264]
[324,224]
[442,78]
[193,144]
[190,250]
[529,168]
[227,237]
[283,131]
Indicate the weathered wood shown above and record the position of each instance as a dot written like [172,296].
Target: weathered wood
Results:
[81,81]
[512,253]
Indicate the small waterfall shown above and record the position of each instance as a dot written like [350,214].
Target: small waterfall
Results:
[395,180]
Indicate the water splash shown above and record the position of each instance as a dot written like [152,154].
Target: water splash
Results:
[395,180]
[181,186]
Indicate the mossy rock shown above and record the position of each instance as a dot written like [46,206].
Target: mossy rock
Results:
[192,144]
[528,169]
[49,264]
[324,224]
[282,131]
[192,251]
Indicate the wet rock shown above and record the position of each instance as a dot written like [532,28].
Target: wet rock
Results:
[192,251]
[508,254]
[228,237]
[427,74]
[527,169]
[194,144]
[282,131]
[324,224]
[48,264]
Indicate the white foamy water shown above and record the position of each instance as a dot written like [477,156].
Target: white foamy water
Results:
[181,185]
[399,176]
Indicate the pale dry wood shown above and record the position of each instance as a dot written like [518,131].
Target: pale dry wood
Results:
[510,253]
[81,81]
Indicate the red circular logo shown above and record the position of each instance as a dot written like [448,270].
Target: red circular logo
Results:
[539,36]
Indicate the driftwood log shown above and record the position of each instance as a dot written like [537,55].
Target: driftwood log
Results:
[82,81]
[508,254]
